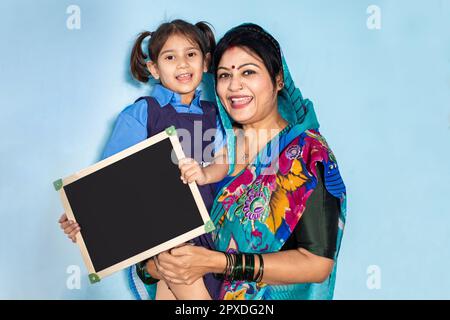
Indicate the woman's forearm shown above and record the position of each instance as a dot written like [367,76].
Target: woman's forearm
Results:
[286,267]
[216,262]
[295,266]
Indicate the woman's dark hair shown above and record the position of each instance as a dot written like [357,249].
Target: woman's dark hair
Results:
[252,37]
[200,34]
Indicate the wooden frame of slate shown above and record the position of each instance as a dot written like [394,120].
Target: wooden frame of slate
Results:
[133,205]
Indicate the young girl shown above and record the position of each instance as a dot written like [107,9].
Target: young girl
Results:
[178,53]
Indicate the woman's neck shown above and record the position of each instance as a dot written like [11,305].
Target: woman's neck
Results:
[256,135]
[272,122]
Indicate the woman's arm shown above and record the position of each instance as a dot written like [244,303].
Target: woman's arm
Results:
[189,263]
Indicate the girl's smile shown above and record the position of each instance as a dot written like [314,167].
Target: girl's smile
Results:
[184,77]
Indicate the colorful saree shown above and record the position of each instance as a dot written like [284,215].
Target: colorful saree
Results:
[258,209]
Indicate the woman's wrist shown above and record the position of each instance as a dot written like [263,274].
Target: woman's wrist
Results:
[217,262]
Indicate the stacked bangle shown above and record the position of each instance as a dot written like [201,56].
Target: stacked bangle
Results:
[259,275]
[249,272]
[242,267]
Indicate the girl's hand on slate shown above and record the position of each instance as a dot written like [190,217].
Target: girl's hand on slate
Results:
[192,171]
[71,228]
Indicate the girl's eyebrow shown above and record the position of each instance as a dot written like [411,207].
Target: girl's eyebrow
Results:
[241,66]
[173,50]
[191,48]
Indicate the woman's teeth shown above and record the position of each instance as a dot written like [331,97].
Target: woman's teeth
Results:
[240,101]
[184,77]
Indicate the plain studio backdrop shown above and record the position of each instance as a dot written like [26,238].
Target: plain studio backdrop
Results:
[377,71]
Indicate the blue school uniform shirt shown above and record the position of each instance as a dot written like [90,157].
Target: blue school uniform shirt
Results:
[131,124]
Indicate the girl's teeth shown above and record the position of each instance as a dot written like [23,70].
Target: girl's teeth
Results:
[184,76]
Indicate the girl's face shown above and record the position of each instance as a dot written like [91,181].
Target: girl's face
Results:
[179,67]
[244,86]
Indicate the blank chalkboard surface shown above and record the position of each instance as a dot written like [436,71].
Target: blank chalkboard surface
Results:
[133,205]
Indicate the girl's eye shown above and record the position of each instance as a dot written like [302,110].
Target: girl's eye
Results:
[170,57]
[192,54]
[248,72]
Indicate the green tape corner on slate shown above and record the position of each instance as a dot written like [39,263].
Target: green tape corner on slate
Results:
[209,226]
[58,184]
[93,278]
[171,130]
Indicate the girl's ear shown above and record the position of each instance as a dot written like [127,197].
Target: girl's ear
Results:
[153,68]
[206,62]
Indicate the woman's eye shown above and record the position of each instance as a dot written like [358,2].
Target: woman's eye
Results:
[223,75]
[248,72]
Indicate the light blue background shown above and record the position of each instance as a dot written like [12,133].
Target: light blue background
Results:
[382,97]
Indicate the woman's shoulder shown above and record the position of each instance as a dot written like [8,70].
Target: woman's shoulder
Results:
[315,150]
[309,139]
[313,141]
[311,147]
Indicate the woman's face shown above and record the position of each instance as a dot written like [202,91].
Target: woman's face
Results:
[244,86]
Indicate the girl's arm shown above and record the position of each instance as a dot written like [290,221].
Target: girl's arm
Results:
[192,171]
[169,291]
[218,169]
[152,270]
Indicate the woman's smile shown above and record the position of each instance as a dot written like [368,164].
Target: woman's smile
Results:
[240,101]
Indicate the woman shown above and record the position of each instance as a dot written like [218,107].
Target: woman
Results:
[279,215]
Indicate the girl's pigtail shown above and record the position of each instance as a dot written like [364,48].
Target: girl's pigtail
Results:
[138,63]
[208,34]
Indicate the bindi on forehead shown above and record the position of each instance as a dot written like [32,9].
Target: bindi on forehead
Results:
[233,67]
